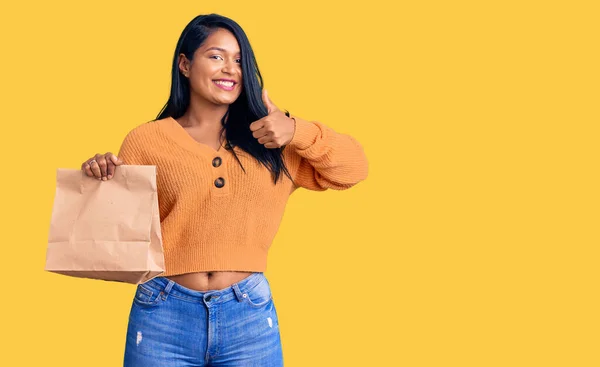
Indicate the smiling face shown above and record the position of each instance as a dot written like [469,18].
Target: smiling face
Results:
[215,73]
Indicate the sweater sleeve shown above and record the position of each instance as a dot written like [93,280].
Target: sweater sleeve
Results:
[131,151]
[324,158]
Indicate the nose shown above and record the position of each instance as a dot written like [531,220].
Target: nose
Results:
[230,67]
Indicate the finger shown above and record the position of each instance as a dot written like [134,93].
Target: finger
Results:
[256,125]
[110,166]
[103,166]
[110,170]
[116,161]
[267,101]
[95,168]
[272,145]
[86,168]
[260,133]
[265,139]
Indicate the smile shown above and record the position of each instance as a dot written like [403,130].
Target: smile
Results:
[227,85]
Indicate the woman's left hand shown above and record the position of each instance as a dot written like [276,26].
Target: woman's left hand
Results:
[274,130]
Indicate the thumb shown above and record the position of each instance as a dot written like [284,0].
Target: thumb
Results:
[115,160]
[267,101]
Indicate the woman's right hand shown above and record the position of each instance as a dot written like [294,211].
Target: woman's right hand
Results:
[101,166]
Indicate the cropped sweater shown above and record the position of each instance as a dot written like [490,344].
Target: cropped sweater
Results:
[216,217]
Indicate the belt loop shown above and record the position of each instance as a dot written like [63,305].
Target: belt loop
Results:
[238,293]
[167,290]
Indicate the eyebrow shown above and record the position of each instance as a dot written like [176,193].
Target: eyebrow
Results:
[219,49]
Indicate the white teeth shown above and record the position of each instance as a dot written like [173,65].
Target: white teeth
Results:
[227,84]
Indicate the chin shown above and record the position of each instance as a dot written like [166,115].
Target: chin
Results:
[226,101]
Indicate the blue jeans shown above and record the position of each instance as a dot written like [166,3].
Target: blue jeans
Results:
[174,326]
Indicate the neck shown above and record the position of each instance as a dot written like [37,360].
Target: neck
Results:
[203,114]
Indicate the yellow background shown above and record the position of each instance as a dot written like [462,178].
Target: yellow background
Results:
[473,242]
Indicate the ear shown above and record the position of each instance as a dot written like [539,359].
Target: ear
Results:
[183,64]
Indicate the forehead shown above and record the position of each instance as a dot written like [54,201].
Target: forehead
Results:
[223,39]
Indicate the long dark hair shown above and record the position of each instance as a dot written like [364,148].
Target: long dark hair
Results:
[247,108]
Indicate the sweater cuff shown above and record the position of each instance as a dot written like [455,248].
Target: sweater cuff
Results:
[305,134]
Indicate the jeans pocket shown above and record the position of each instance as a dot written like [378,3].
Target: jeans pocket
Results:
[259,295]
[146,296]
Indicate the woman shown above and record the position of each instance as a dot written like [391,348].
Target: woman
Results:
[227,160]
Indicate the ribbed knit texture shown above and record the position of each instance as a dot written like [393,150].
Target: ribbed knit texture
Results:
[231,228]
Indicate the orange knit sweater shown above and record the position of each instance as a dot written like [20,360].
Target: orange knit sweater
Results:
[216,217]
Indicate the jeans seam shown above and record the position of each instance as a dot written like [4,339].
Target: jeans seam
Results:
[262,304]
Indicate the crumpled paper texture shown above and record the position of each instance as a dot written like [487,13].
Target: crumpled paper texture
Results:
[107,230]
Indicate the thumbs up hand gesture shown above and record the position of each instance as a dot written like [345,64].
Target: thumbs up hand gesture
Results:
[274,130]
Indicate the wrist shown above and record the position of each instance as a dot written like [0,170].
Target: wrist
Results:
[287,113]
[305,133]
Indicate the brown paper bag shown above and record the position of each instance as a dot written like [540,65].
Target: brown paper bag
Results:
[107,230]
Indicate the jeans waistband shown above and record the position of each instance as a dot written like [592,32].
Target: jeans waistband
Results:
[237,290]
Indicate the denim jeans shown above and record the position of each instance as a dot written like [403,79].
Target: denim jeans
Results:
[174,326]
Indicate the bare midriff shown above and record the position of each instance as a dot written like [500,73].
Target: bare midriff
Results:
[212,280]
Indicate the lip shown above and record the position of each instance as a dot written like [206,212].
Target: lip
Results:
[224,87]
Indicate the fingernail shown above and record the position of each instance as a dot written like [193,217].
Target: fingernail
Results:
[103,178]
[109,177]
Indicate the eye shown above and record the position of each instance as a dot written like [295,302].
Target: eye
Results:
[239,61]
[213,56]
